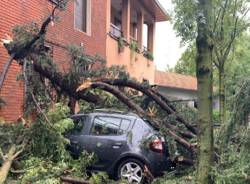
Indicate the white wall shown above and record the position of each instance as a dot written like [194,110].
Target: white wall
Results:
[182,94]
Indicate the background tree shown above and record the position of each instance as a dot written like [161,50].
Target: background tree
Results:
[186,64]
[239,67]
[229,20]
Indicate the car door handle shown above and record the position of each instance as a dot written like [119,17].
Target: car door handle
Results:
[117,145]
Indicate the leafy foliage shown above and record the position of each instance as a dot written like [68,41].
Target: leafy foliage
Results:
[47,139]
[234,164]
[240,111]
[99,178]
[186,64]
[238,69]
[225,13]
[45,158]
[149,55]
[185,19]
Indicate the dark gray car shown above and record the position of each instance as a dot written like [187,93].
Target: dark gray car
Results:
[124,143]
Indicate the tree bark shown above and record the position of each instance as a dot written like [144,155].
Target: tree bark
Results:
[121,96]
[57,79]
[204,77]
[222,94]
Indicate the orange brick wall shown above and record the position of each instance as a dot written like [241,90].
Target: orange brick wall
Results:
[18,12]
[136,64]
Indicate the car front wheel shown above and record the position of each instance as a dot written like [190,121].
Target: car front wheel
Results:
[131,170]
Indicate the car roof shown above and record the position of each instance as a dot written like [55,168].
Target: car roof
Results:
[108,113]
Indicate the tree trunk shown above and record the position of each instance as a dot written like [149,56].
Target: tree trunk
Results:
[222,94]
[4,170]
[204,77]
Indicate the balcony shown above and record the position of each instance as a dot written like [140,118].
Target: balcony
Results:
[131,36]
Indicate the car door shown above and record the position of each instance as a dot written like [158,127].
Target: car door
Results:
[78,136]
[107,139]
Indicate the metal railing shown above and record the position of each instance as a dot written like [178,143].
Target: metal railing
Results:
[115,31]
[145,49]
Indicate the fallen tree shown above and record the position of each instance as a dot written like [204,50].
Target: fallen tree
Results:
[70,88]
[127,101]
[162,101]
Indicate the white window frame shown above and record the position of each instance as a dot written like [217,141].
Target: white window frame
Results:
[88,24]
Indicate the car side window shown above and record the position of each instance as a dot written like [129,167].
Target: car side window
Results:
[124,126]
[79,124]
[104,125]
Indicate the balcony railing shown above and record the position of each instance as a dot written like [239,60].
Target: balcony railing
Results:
[132,39]
[145,49]
[115,31]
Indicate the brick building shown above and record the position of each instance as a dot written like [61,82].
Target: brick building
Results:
[95,24]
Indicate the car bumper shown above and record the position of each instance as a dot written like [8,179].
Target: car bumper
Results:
[160,164]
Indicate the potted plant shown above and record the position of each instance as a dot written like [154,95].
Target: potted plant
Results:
[149,55]
[134,48]
[121,44]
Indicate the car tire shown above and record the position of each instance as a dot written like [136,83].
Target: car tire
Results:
[131,170]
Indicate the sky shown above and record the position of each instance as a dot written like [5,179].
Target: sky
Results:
[167,44]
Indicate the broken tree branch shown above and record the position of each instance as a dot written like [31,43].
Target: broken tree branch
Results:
[20,53]
[178,118]
[164,104]
[2,155]
[32,94]
[11,155]
[57,79]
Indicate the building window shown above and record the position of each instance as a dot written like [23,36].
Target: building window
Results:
[145,37]
[54,1]
[82,15]
[116,16]
[109,126]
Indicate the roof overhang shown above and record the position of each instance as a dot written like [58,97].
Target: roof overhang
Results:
[155,7]
[161,13]
[176,88]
